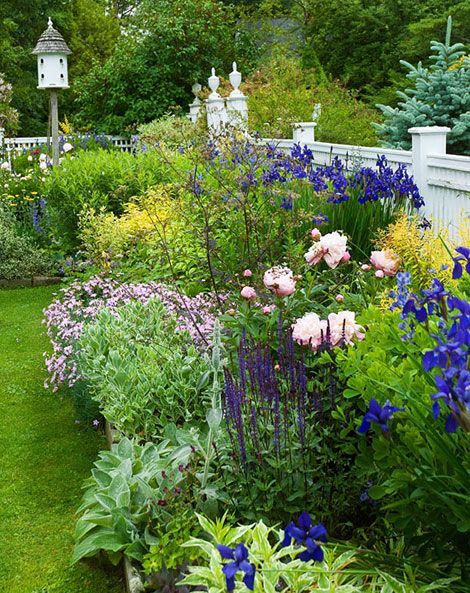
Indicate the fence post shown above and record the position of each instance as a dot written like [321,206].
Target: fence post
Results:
[425,141]
[216,112]
[237,102]
[304,132]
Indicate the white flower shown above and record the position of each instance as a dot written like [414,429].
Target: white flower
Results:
[67,147]
[5,166]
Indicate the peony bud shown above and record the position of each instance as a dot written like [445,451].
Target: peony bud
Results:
[379,274]
[365,267]
[315,234]
[249,293]
[339,298]
[247,273]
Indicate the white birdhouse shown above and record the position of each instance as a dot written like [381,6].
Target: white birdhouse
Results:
[52,52]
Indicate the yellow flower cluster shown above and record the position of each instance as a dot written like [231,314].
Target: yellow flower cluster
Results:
[424,254]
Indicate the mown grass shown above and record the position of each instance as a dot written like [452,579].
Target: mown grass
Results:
[44,458]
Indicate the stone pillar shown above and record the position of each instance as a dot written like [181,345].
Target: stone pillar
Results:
[426,141]
[304,132]
[215,107]
[237,102]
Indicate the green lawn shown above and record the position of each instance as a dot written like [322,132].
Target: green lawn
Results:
[44,458]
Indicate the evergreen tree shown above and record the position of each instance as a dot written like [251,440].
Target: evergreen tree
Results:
[440,97]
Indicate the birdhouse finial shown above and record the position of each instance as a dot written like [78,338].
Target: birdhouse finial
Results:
[49,22]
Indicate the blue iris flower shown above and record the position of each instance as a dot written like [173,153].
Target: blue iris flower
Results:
[308,535]
[459,260]
[239,555]
[378,414]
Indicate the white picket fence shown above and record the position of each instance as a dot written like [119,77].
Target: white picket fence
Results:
[27,143]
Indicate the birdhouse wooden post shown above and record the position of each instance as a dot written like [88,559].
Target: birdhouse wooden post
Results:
[52,51]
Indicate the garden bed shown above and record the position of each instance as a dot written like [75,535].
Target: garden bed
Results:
[268,393]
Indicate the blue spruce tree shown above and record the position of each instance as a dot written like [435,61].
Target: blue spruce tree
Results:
[440,97]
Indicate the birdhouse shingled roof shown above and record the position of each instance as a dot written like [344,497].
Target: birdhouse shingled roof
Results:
[51,42]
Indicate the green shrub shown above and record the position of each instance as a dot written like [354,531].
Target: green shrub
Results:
[418,473]
[19,256]
[281,93]
[170,131]
[101,179]
[143,373]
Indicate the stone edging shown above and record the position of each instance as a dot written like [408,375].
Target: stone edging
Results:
[134,582]
[34,281]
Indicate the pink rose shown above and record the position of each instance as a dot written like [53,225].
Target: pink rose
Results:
[247,273]
[268,309]
[331,247]
[339,298]
[315,234]
[279,280]
[343,328]
[309,330]
[249,293]
[365,267]
[385,260]
[379,273]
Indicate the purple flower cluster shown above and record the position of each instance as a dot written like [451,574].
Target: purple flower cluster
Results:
[79,304]
[266,409]
[370,185]
[451,357]
[401,294]
[452,345]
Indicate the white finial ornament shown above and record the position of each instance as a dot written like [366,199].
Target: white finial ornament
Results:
[235,78]
[214,82]
[49,23]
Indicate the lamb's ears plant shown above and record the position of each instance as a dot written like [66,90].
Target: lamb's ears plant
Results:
[214,414]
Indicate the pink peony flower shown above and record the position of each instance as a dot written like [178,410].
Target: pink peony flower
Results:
[279,280]
[315,254]
[248,293]
[365,267]
[339,298]
[379,273]
[309,330]
[315,234]
[385,260]
[331,247]
[343,328]
[247,273]
[268,309]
